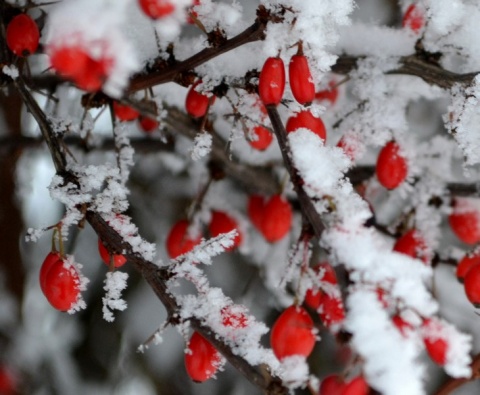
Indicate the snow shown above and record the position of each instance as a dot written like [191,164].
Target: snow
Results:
[115,283]
[202,145]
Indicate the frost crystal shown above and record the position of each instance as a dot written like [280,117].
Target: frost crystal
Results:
[115,283]
[202,145]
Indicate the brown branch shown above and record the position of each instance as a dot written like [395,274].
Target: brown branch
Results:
[306,203]
[452,384]
[412,65]
[172,72]
[155,276]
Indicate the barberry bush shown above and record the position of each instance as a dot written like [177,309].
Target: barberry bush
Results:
[211,197]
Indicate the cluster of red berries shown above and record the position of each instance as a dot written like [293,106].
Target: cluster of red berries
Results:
[272,85]
[326,300]
[203,360]
[272,217]
[180,240]
[22,35]
[125,113]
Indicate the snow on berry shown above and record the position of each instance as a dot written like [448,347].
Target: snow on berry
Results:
[93,55]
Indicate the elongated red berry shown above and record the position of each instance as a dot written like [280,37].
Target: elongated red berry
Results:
[124,112]
[277,219]
[412,244]
[413,19]
[356,386]
[47,264]
[179,241]
[271,83]
[332,385]
[8,381]
[69,61]
[330,94]
[118,259]
[22,35]
[305,119]
[471,282]
[197,103]
[62,286]
[256,210]
[148,124]
[391,167]
[435,343]
[301,81]
[203,360]
[74,63]
[292,333]
[314,297]
[331,310]
[263,138]
[465,264]
[156,8]
[465,221]
[223,223]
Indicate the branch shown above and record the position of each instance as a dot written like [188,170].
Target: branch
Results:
[306,203]
[414,65]
[452,384]
[155,276]
[173,71]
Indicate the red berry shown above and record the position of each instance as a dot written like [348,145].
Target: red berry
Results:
[69,61]
[301,80]
[271,83]
[62,286]
[330,94]
[197,103]
[314,298]
[232,318]
[263,138]
[332,385]
[118,259]
[124,112]
[147,124]
[47,264]
[331,310]
[156,8]
[223,223]
[179,241]
[8,381]
[22,35]
[203,359]
[412,244]
[305,119]
[195,14]
[471,283]
[403,326]
[292,333]
[467,262]
[435,344]
[465,221]
[255,209]
[391,166]
[357,386]
[277,219]
[413,18]
[76,64]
